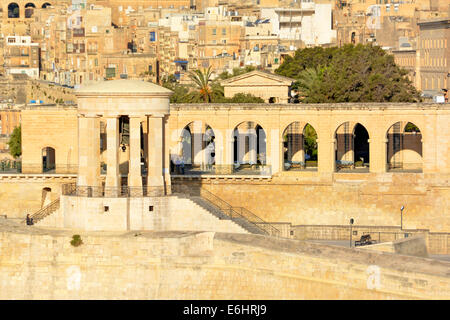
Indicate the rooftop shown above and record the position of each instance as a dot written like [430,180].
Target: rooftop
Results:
[121,87]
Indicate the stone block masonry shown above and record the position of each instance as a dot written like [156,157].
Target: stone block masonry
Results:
[42,264]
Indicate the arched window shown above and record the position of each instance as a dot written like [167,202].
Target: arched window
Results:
[300,147]
[13,10]
[352,148]
[249,152]
[404,147]
[46,5]
[48,160]
[197,152]
[29,9]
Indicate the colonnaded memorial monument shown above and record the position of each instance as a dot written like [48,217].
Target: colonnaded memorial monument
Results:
[136,198]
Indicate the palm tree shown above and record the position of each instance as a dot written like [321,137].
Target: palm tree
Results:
[202,79]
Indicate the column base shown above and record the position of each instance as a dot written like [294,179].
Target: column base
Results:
[155,186]
[112,186]
[224,168]
[135,185]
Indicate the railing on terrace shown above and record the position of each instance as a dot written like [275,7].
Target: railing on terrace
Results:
[236,213]
[236,169]
[385,236]
[71,189]
[11,166]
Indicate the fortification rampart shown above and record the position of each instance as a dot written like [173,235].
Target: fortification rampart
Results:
[42,264]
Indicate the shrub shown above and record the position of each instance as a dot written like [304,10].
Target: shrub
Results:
[76,240]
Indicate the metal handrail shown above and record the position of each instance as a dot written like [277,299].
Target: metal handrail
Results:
[239,212]
[46,211]
[71,189]
[268,227]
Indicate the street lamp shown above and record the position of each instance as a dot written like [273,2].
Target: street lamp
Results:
[351,223]
[401,217]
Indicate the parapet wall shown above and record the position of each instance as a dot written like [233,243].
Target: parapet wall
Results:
[42,264]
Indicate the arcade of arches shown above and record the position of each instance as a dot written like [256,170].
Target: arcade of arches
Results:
[23,8]
[308,164]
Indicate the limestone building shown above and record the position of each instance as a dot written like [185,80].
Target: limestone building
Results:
[21,56]
[270,87]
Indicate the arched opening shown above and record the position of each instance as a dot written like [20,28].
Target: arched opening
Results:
[46,196]
[404,147]
[352,148]
[48,160]
[272,100]
[300,147]
[249,149]
[361,145]
[46,5]
[353,37]
[13,10]
[197,153]
[124,149]
[29,9]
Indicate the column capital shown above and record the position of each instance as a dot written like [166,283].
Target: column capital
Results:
[156,115]
[111,116]
[135,115]
[89,115]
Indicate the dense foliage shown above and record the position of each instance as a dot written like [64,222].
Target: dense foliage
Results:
[206,90]
[15,142]
[361,73]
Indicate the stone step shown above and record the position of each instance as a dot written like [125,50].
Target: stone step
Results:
[219,214]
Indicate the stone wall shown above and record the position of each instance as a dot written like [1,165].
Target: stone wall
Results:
[42,264]
[138,213]
[24,194]
[50,93]
[50,126]
[372,200]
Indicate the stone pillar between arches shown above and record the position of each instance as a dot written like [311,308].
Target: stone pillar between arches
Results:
[378,155]
[326,155]
[134,174]
[112,183]
[155,178]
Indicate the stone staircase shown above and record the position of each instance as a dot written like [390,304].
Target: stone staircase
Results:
[221,215]
[224,211]
[45,211]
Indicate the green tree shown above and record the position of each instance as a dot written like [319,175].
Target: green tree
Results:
[15,142]
[205,90]
[202,79]
[244,98]
[361,73]
[310,141]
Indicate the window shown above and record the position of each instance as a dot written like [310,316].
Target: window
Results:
[150,208]
[106,208]
[152,36]
[213,32]
[224,31]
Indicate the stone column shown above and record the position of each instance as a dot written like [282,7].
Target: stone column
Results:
[155,179]
[112,184]
[166,148]
[89,155]
[134,173]
[378,154]
[326,155]
[273,151]
[197,141]
[252,148]
[224,152]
